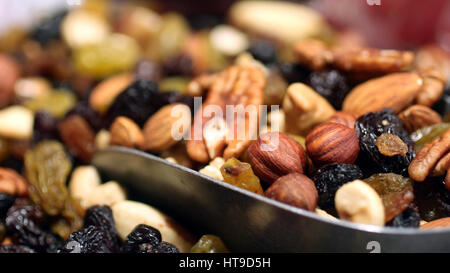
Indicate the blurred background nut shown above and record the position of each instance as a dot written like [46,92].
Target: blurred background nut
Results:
[439,223]
[228,40]
[304,109]
[360,203]
[28,88]
[160,129]
[124,132]
[16,122]
[102,139]
[343,118]
[283,21]
[313,53]
[85,186]
[213,168]
[419,116]
[12,183]
[104,93]
[433,86]
[332,143]
[129,214]
[178,155]
[10,72]
[275,154]
[81,27]
[78,136]
[276,121]
[294,189]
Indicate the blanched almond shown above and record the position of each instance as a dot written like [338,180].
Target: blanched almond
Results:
[16,122]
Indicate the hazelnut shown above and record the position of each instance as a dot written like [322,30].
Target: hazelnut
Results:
[12,183]
[10,72]
[275,154]
[332,143]
[343,118]
[124,132]
[360,203]
[294,189]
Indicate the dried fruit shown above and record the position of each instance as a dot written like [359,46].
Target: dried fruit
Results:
[240,174]
[6,202]
[84,110]
[91,239]
[427,134]
[395,190]
[78,136]
[101,217]
[45,127]
[294,189]
[23,223]
[209,244]
[263,51]
[369,127]
[138,101]
[304,109]
[358,202]
[49,29]
[143,239]
[396,91]
[329,178]
[408,218]
[293,72]
[57,103]
[391,145]
[274,155]
[331,85]
[12,183]
[10,248]
[332,143]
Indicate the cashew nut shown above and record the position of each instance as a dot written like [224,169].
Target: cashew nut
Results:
[129,214]
[213,169]
[16,122]
[85,186]
[358,202]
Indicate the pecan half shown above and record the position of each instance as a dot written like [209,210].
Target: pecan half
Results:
[313,53]
[419,116]
[432,88]
[236,85]
[432,160]
[12,183]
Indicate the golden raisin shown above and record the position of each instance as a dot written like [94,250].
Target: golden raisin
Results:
[240,174]
[391,145]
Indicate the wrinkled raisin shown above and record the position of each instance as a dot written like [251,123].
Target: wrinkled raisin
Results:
[240,174]
[11,248]
[369,127]
[331,85]
[329,178]
[83,109]
[263,51]
[6,202]
[430,199]
[293,72]
[143,239]
[180,65]
[48,29]
[395,191]
[209,244]
[166,247]
[102,217]
[23,223]
[390,145]
[408,218]
[138,102]
[45,126]
[91,239]
[149,71]
[78,136]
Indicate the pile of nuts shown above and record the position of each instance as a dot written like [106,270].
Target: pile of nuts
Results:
[358,133]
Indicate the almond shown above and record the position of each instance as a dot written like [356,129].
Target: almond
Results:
[419,116]
[166,127]
[439,223]
[396,91]
[125,132]
[104,93]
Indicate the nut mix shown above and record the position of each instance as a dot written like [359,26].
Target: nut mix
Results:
[354,132]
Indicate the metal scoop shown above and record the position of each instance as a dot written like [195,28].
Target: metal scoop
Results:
[248,222]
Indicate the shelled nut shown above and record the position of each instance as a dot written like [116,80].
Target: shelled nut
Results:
[125,132]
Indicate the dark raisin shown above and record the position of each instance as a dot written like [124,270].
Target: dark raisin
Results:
[23,224]
[12,163]
[293,72]
[102,217]
[166,247]
[408,218]
[329,178]
[48,29]
[6,201]
[180,65]
[91,239]
[442,106]
[138,102]
[15,249]
[2,231]
[443,197]
[170,97]
[201,21]
[149,71]
[45,126]
[332,85]
[263,51]
[83,109]
[143,239]
[369,127]
[430,199]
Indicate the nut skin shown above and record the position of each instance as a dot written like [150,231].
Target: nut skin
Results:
[419,116]
[439,223]
[103,95]
[294,189]
[332,143]
[343,118]
[12,183]
[285,156]
[125,132]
